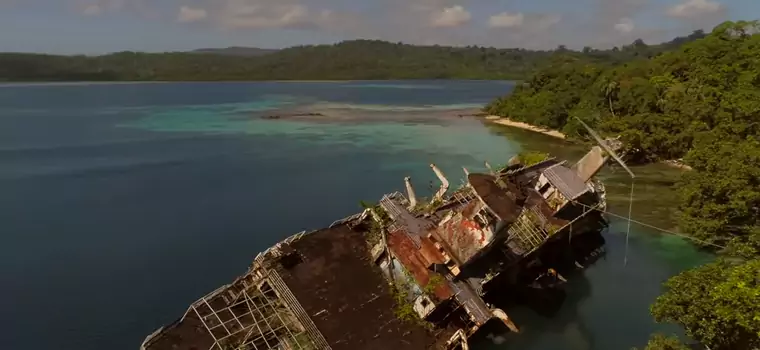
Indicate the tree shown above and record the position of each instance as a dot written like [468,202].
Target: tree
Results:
[354,59]
[717,304]
[610,89]
[658,106]
[700,102]
[720,200]
[639,43]
[662,342]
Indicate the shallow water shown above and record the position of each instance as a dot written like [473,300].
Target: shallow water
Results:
[123,203]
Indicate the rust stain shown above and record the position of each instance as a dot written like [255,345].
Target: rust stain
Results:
[430,252]
[464,238]
[415,262]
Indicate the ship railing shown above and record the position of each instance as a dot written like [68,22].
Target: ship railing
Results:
[461,197]
[390,206]
[295,307]
[275,250]
[191,309]
[348,219]
[226,326]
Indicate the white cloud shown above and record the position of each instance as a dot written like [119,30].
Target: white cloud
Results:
[625,25]
[533,22]
[99,7]
[271,14]
[506,20]
[451,17]
[189,14]
[695,8]
[91,10]
[444,22]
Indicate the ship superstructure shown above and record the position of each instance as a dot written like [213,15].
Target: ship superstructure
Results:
[407,273]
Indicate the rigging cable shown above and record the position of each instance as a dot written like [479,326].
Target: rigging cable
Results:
[628,231]
[654,227]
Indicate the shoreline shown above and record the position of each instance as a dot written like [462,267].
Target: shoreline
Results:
[677,164]
[559,135]
[525,126]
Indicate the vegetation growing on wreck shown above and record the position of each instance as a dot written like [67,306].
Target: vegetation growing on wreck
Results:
[404,309]
[435,281]
[402,291]
[529,158]
[375,231]
[700,103]
[426,207]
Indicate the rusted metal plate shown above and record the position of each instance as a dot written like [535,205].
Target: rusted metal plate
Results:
[413,260]
[430,252]
[463,238]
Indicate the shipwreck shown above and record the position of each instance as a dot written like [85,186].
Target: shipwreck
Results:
[408,273]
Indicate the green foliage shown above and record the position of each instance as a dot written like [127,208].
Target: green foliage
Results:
[385,219]
[404,309]
[531,158]
[662,342]
[375,231]
[657,106]
[356,59]
[720,199]
[700,103]
[375,234]
[435,281]
[425,207]
[718,304]
[548,97]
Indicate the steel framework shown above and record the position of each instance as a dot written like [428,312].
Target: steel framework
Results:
[257,319]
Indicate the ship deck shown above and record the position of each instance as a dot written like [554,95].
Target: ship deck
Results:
[346,295]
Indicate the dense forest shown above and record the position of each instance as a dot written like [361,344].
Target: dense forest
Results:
[701,103]
[348,60]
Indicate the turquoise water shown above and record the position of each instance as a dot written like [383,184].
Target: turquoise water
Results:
[123,203]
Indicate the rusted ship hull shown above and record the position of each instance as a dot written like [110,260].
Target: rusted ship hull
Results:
[408,275]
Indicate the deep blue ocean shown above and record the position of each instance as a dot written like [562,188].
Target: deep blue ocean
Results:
[120,204]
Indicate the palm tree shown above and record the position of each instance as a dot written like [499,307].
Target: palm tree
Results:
[609,89]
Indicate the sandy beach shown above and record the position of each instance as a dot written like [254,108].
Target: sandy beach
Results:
[554,133]
[525,126]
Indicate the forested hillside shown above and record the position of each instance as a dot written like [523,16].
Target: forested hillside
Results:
[700,102]
[237,51]
[349,60]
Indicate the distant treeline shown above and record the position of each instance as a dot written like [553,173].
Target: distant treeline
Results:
[700,102]
[348,60]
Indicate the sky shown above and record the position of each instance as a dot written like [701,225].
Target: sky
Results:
[101,26]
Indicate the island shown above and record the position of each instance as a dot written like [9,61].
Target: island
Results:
[347,60]
[698,105]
